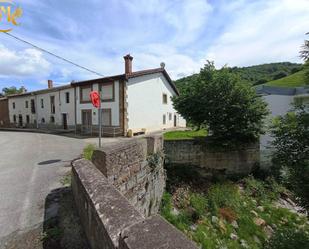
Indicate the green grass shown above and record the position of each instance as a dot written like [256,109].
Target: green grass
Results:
[293,80]
[174,135]
[88,151]
[207,217]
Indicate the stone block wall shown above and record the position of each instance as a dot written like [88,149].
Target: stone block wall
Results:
[200,153]
[126,167]
[110,221]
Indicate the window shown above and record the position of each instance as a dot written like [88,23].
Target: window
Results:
[106,117]
[85,94]
[170,116]
[164,98]
[13,105]
[107,91]
[52,104]
[28,119]
[52,119]
[164,119]
[67,97]
[14,119]
[42,103]
[43,120]
[26,104]
[32,106]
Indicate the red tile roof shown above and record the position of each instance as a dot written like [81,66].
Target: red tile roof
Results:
[129,76]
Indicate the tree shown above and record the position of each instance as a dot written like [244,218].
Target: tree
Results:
[291,157]
[304,54]
[13,90]
[229,108]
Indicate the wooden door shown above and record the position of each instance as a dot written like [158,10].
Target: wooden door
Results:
[20,120]
[175,120]
[64,121]
[86,121]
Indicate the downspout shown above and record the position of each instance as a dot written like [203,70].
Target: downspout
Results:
[75,110]
[60,114]
[36,111]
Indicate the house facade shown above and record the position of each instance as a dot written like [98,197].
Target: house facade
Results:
[49,108]
[131,103]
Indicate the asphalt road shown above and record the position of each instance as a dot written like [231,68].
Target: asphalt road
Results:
[31,166]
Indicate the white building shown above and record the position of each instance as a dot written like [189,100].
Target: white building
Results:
[46,108]
[132,103]
[280,101]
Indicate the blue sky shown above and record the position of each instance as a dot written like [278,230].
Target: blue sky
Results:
[181,33]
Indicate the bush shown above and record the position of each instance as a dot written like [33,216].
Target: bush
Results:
[222,196]
[229,108]
[280,75]
[288,239]
[291,158]
[88,151]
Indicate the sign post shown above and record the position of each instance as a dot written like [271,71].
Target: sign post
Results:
[96,101]
[100,125]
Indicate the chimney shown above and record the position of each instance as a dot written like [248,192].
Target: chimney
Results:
[50,84]
[128,64]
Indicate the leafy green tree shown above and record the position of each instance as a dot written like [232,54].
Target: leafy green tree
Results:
[304,53]
[229,108]
[13,90]
[291,157]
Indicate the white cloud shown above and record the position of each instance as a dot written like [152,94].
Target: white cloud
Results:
[262,32]
[27,62]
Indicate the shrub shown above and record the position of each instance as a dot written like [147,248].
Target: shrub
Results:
[279,75]
[88,151]
[291,158]
[288,239]
[199,204]
[221,196]
[220,101]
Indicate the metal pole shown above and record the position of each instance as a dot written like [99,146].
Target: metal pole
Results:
[100,125]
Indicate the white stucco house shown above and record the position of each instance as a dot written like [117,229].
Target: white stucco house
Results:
[132,103]
[48,108]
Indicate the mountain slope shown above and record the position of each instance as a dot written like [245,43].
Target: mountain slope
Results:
[254,75]
[293,80]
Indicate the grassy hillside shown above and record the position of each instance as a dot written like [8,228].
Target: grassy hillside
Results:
[254,75]
[293,80]
[263,73]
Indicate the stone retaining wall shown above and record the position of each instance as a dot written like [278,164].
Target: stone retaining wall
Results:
[110,221]
[197,152]
[126,167]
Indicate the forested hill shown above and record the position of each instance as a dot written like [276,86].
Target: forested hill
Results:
[255,75]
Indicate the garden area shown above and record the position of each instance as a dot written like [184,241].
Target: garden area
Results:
[187,134]
[247,213]
[268,209]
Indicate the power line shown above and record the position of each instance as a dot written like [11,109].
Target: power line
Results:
[52,54]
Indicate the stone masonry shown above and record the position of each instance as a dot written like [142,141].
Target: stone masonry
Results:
[126,167]
[201,154]
[111,222]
